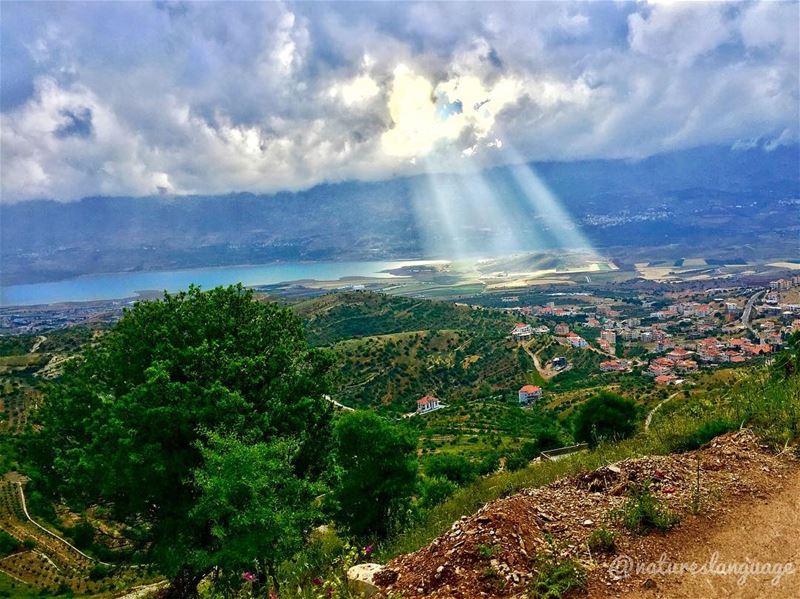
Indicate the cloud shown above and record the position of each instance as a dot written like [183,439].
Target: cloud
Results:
[134,98]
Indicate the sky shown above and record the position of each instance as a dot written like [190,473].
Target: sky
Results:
[135,98]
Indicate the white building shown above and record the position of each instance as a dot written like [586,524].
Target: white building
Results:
[427,404]
[522,332]
[528,394]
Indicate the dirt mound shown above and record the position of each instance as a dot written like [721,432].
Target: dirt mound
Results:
[494,552]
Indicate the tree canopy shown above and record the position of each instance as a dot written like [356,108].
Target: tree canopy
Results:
[605,416]
[378,471]
[152,419]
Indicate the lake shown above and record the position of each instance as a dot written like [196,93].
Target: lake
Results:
[128,284]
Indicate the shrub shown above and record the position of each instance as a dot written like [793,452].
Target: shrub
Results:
[435,489]
[8,544]
[643,512]
[516,461]
[702,435]
[98,572]
[82,534]
[455,468]
[605,416]
[602,540]
[485,551]
[557,578]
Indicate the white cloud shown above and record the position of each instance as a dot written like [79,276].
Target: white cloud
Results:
[129,99]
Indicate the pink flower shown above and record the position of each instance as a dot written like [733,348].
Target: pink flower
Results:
[317,581]
[368,550]
[248,576]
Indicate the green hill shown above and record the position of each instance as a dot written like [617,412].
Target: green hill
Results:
[392,350]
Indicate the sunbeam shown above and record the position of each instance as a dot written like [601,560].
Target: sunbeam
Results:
[545,204]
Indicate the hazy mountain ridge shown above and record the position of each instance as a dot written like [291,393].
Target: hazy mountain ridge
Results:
[698,192]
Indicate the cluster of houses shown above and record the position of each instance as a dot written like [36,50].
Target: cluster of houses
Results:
[735,350]
[615,366]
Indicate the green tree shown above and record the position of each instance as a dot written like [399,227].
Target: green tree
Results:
[605,416]
[453,467]
[378,472]
[126,425]
[259,511]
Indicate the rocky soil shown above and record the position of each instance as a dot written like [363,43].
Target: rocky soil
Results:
[496,552]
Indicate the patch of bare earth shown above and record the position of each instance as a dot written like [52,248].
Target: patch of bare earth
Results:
[746,506]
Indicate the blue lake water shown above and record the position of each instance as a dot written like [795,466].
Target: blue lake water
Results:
[127,284]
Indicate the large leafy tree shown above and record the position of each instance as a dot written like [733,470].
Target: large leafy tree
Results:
[257,509]
[605,416]
[378,469]
[133,420]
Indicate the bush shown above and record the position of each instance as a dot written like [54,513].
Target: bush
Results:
[489,464]
[557,578]
[455,468]
[8,544]
[98,572]
[82,534]
[433,490]
[606,416]
[702,435]
[516,461]
[643,512]
[602,540]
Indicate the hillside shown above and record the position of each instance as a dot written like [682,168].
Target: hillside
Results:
[512,544]
[392,350]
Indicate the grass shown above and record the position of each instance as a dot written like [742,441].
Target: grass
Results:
[644,513]
[557,578]
[602,540]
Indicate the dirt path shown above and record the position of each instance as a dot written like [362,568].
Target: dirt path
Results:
[39,340]
[763,530]
[652,412]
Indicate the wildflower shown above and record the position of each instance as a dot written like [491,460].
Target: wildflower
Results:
[368,550]
[317,581]
[248,576]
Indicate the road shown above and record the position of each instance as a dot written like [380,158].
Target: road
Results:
[748,309]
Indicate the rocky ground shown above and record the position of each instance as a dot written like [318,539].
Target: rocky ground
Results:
[497,552]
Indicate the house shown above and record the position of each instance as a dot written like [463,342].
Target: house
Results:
[666,379]
[614,365]
[562,328]
[609,336]
[686,365]
[528,394]
[576,341]
[522,332]
[559,363]
[427,404]
[678,354]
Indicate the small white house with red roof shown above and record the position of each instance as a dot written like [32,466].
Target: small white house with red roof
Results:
[522,332]
[528,394]
[427,404]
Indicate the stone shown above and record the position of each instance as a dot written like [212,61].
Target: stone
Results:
[361,578]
